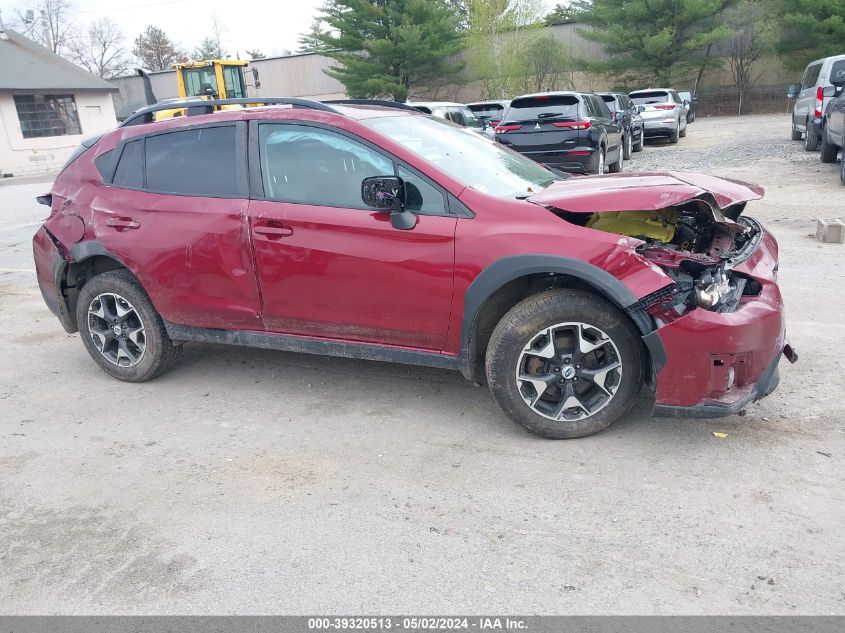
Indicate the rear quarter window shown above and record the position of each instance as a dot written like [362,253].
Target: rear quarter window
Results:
[535,108]
[130,168]
[811,75]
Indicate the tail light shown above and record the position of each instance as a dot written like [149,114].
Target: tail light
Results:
[574,125]
[819,101]
[494,123]
[501,129]
[665,106]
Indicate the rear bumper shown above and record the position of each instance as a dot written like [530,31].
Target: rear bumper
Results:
[50,268]
[717,363]
[579,163]
[659,128]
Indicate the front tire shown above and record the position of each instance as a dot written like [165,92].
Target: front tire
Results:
[829,151]
[564,364]
[796,133]
[121,329]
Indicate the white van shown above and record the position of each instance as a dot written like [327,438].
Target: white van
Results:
[810,101]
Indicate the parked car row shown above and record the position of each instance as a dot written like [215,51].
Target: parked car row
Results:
[572,131]
[818,115]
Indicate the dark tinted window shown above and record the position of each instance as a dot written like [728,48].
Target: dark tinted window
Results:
[130,169]
[601,106]
[811,75]
[454,115]
[315,166]
[610,100]
[650,96]
[490,110]
[543,107]
[105,164]
[198,162]
[425,109]
[837,72]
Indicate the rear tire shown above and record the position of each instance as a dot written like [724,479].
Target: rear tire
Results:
[611,371]
[829,151]
[811,139]
[796,134]
[683,133]
[673,137]
[628,147]
[121,329]
[638,146]
[616,167]
[598,165]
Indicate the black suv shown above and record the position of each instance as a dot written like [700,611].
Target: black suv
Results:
[570,131]
[627,115]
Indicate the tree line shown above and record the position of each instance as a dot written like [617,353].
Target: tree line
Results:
[399,48]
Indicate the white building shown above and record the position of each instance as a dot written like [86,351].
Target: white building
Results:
[47,106]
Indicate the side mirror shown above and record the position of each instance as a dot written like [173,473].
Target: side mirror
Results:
[619,116]
[829,91]
[388,193]
[792,91]
[641,108]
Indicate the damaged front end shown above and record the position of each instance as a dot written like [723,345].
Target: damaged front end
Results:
[720,315]
[697,246]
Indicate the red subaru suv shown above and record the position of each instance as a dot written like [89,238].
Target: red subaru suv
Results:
[368,230]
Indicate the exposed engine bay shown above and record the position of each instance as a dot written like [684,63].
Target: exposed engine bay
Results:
[696,245]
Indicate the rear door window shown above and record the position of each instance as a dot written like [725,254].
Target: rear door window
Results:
[602,109]
[650,96]
[199,162]
[130,168]
[490,110]
[837,72]
[544,107]
[610,100]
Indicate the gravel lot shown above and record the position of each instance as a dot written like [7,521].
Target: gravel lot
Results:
[250,481]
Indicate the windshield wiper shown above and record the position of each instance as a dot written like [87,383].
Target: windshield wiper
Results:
[555,115]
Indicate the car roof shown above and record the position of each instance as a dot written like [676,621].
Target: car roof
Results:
[633,92]
[435,104]
[552,93]
[489,102]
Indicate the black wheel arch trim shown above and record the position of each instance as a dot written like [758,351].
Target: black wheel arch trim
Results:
[513,267]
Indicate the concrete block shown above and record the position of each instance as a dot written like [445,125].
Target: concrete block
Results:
[830,231]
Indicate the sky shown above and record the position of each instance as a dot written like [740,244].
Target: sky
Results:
[270,26]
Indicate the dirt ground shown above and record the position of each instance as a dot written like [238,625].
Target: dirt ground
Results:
[251,481]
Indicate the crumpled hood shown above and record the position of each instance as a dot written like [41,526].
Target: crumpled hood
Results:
[646,192]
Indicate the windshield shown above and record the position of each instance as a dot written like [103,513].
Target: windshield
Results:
[654,96]
[471,159]
[543,107]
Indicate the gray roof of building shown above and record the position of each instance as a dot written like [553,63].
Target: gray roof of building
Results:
[28,67]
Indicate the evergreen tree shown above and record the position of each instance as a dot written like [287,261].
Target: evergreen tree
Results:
[389,47]
[811,29]
[654,40]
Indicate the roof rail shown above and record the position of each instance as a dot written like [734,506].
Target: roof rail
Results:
[202,106]
[374,102]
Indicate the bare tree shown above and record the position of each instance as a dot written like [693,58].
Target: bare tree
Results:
[751,41]
[211,47]
[48,23]
[100,51]
[156,51]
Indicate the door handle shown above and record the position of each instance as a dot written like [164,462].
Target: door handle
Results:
[122,224]
[273,231]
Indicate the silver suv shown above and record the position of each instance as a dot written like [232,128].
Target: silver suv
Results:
[663,112]
[810,100]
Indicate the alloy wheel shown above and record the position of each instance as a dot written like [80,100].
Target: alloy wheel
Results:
[116,329]
[569,371]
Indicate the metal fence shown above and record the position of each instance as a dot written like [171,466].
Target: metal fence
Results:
[725,100]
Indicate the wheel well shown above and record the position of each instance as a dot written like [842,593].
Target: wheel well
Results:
[77,274]
[502,300]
